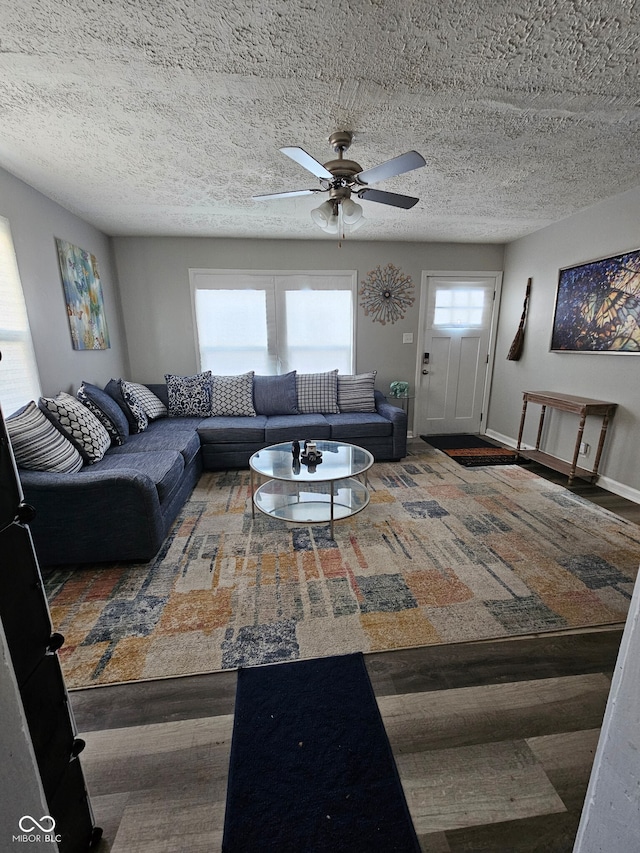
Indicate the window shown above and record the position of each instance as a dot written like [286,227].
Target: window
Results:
[459,307]
[232,331]
[274,322]
[19,381]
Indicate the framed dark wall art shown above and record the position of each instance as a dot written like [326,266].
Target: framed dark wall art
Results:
[598,306]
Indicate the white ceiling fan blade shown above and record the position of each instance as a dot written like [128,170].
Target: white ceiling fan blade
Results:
[291,194]
[307,162]
[390,168]
[394,199]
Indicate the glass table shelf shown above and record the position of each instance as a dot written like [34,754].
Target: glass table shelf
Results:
[302,494]
[305,504]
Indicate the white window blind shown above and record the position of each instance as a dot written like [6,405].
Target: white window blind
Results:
[19,380]
[274,322]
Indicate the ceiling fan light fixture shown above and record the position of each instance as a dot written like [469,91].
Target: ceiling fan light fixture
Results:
[351,211]
[322,215]
[355,225]
[333,225]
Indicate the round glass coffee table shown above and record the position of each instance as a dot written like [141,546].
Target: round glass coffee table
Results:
[305,494]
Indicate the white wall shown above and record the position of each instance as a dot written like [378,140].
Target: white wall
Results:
[609,228]
[154,278]
[35,222]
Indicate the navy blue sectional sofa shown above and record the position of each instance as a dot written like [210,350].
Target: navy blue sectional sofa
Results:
[122,507]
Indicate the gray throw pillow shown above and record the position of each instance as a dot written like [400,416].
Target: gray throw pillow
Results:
[275,395]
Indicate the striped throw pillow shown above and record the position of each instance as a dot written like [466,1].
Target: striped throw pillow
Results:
[38,445]
[355,392]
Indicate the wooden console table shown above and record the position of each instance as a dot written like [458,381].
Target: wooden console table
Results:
[576,405]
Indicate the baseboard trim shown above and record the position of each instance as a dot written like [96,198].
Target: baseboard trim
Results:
[606,483]
[506,439]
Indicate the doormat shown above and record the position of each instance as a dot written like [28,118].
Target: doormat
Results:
[311,766]
[442,554]
[472,450]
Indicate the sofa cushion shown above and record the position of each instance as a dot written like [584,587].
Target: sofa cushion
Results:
[189,396]
[185,441]
[275,395]
[78,424]
[106,410]
[232,396]
[352,425]
[222,429]
[355,392]
[289,428]
[163,467]
[38,445]
[317,392]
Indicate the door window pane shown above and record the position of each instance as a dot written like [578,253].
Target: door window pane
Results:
[459,307]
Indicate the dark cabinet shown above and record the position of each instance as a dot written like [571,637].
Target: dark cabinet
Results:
[32,645]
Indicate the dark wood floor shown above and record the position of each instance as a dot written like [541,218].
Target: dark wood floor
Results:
[494,741]
[614,503]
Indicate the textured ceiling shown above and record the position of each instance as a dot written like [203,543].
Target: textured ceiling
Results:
[164,117]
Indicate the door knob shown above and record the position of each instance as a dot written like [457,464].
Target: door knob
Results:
[424,372]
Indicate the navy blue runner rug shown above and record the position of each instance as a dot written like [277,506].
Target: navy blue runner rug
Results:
[311,768]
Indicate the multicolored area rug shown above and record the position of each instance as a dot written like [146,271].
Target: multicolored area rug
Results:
[472,450]
[442,554]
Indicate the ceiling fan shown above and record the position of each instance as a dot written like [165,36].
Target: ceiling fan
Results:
[341,178]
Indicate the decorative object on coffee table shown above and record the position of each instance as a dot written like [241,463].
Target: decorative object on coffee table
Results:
[311,456]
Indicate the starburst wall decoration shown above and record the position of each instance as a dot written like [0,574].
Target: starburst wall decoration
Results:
[386,294]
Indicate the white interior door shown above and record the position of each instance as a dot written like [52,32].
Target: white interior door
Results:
[457,317]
